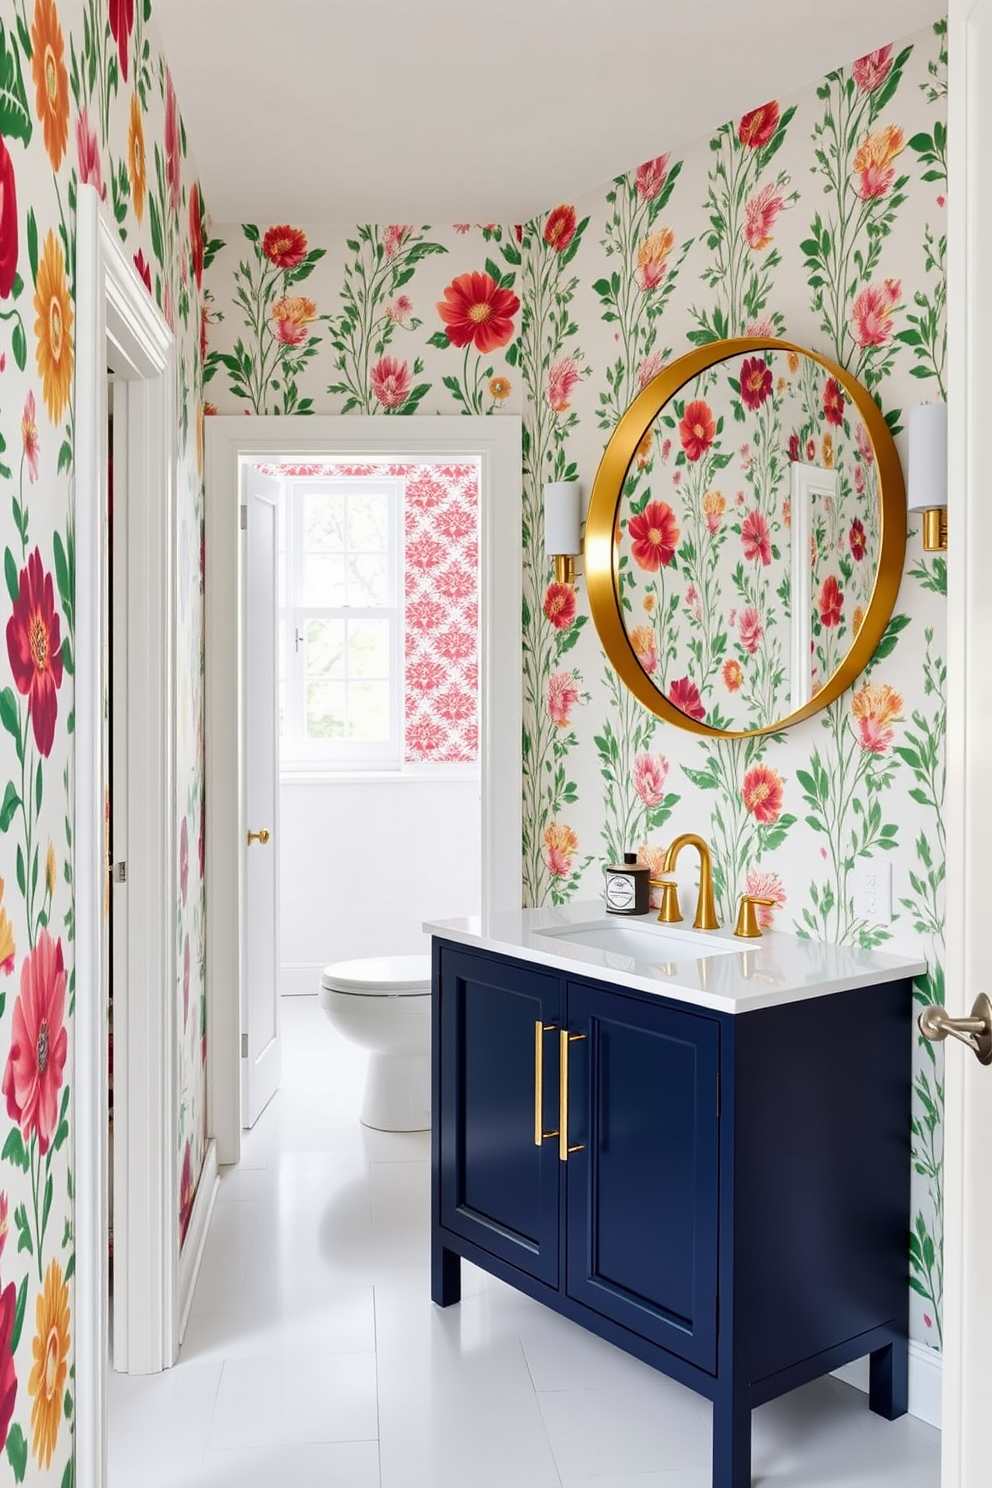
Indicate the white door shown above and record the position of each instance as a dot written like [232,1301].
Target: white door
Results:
[260,1051]
[968,1127]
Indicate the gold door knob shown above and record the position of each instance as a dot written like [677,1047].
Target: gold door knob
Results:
[262,836]
[747,926]
[976,1031]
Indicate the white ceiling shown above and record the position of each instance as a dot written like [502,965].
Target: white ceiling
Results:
[479,110]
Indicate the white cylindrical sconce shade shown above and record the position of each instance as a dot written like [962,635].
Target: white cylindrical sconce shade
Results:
[562,518]
[927,485]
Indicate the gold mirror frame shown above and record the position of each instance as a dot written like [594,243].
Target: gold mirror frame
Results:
[602,536]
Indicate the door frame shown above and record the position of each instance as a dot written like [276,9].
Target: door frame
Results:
[118,325]
[496,442]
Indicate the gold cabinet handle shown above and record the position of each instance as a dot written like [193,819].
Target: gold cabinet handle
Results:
[540,1029]
[565,1038]
[262,836]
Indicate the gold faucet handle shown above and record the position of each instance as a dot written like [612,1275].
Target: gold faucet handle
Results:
[747,926]
[669,913]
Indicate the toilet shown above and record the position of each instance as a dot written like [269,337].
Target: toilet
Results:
[383,1003]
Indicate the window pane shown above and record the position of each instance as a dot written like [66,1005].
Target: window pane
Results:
[368,649]
[323,522]
[368,711]
[325,710]
[368,580]
[368,521]
[324,580]
[326,648]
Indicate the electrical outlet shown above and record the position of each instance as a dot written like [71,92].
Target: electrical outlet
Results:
[873,891]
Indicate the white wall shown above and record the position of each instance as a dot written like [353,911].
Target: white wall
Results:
[364,862]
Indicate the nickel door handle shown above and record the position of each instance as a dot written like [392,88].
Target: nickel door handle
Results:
[262,836]
[936,1023]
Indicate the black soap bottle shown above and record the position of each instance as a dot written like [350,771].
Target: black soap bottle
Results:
[628,888]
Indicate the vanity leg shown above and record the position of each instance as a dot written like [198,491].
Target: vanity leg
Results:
[446,1275]
[888,1380]
[732,1440]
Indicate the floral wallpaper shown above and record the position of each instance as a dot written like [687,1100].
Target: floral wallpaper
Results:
[85,98]
[818,218]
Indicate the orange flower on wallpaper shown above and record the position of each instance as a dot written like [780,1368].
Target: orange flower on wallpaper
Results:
[652,258]
[873,708]
[714,506]
[51,81]
[136,158]
[291,315]
[733,676]
[53,328]
[761,792]
[642,640]
[560,844]
[499,388]
[873,162]
[50,1349]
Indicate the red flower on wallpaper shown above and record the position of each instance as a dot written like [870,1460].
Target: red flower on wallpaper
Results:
[761,792]
[857,539]
[733,676]
[144,269]
[562,377]
[476,310]
[654,536]
[173,149]
[871,313]
[750,629]
[285,247]
[684,694]
[833,402]
[390,381]
[756,381]
[871,70]
[121,25]
[562,696]
[759,216]
[697,429]
[650,177]
[8,1376]
[559,230]
[559,605]
[34,648]
[8,222]
[196,232]
[795,453]
[39,1043]
[756,538]
[757,127]
[831,602]
[650,774]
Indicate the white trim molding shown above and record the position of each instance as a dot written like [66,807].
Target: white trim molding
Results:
[196,1234]
[926,1379]
[496,442]
[118,326]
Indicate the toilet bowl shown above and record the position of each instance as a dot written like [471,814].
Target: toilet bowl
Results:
[383,1003]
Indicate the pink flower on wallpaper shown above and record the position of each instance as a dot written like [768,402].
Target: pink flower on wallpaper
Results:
[684,695]
[8,1374]
[560,846]
[455,584]
[643,642]
[34,649]
[756,538]
[871,70]
[456,521]
[693,603]
[650,367]
[424,613]
[462,227]
[390,381]
[88,151]
[455,644]
[651,177]
[425,552]
[873,708]
[8,225]
[652,258]
[859,479]
[424,492]
[425,674]
[871,313]
[394,236]
[750,629]
[765,885]
[291,317]
[173,150]
[764,327]
[400,310]
[39,1043]
[424,737]
[455,704]
[760,212]
[562,696]
[562,377]
[560,605]
[650,774]
[29,435]
[865,448]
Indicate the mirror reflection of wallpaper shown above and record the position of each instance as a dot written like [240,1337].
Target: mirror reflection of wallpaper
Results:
[756,481]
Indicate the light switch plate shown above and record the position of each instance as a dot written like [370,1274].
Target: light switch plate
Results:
[873,891]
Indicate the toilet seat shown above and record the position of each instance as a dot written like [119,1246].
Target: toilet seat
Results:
[379,976]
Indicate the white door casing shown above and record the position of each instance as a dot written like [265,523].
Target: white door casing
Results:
[261,1062]
[968,1113]
[496,441]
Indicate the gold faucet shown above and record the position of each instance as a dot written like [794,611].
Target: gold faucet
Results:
[670,913]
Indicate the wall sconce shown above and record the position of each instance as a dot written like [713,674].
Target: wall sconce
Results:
[563,527]
[927,487]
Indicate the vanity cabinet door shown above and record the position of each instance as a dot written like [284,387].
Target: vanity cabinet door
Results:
[642,1191]
[498,1188]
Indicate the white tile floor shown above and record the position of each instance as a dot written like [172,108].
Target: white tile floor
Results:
[314,1356]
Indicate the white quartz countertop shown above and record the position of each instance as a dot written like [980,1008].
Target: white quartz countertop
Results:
[708,969]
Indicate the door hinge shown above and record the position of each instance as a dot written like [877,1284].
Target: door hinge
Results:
[244,1046]
[244,519]
[118,872]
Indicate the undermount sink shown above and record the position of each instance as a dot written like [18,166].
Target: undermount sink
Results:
[645,941]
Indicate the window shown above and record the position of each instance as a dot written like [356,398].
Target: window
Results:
[340,622]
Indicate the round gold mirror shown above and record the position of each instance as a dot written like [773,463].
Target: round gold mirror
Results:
[745,537]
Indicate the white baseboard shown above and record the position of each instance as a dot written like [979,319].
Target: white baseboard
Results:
[300,978]
[196,1234]
[925,1381]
